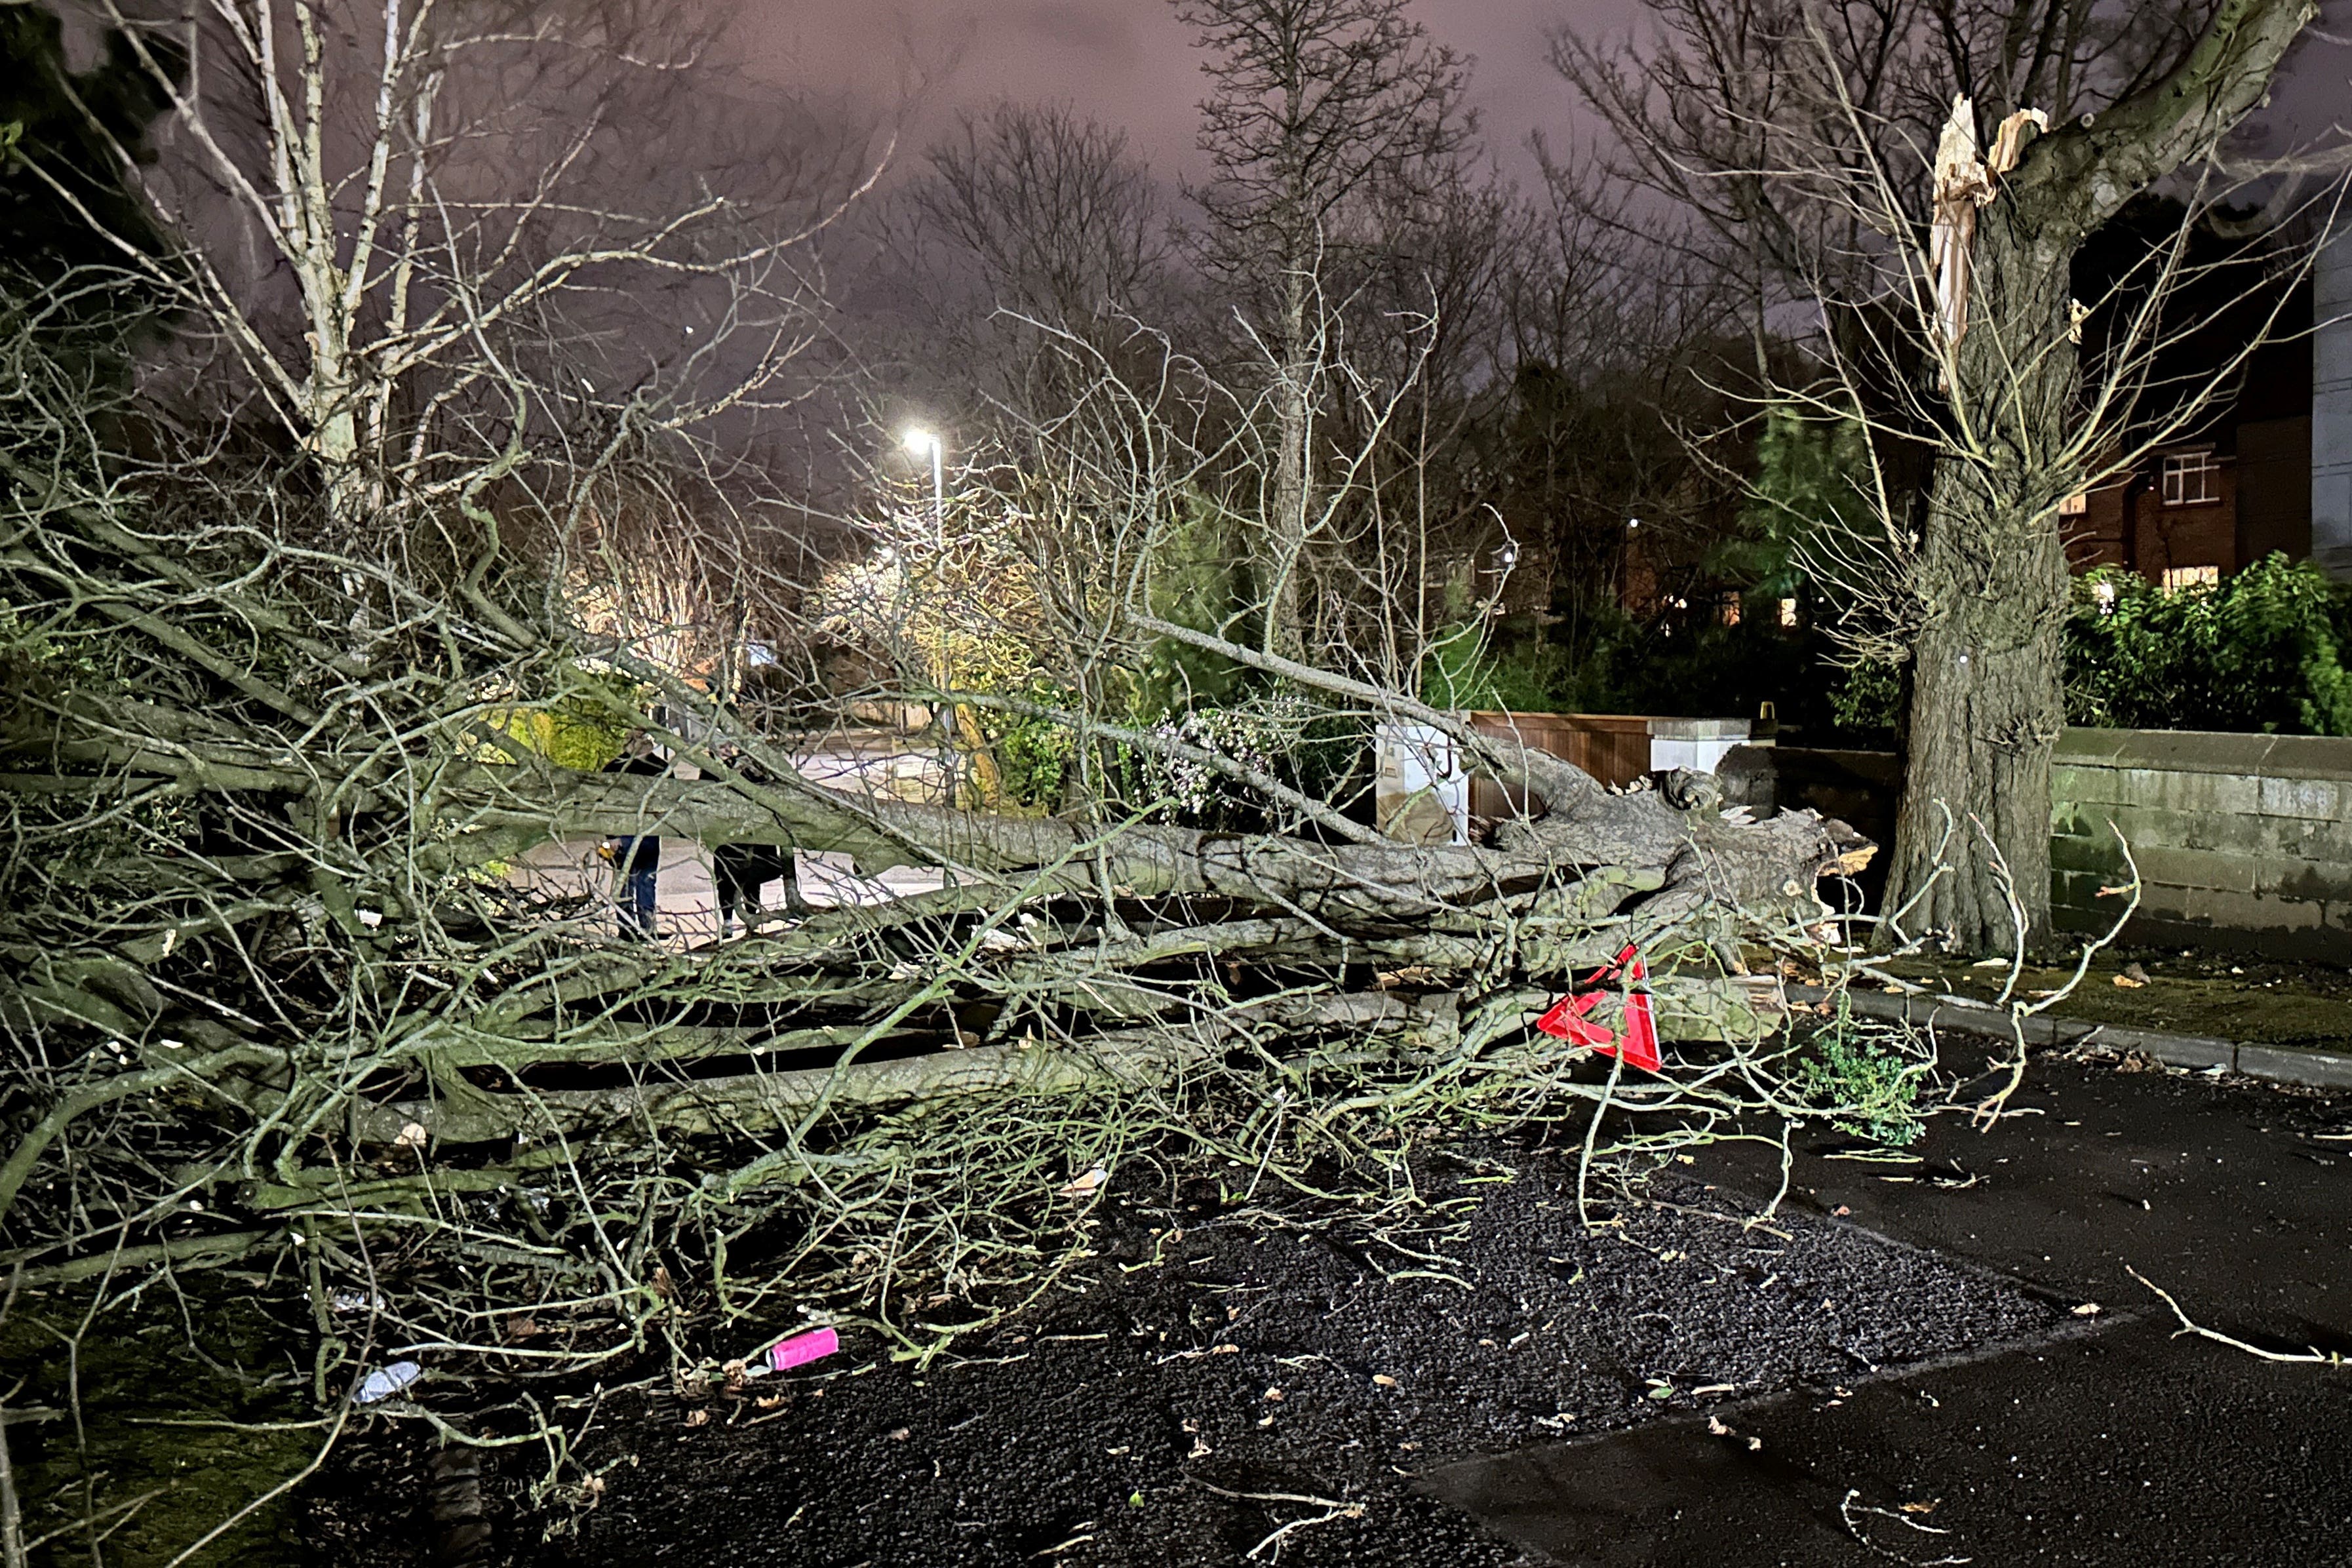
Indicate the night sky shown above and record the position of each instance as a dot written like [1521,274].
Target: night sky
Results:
[1128,63]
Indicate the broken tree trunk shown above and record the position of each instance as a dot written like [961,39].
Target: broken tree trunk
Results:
[262,917]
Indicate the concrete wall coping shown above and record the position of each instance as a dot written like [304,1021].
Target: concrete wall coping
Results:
[1622,723]
[2207,752]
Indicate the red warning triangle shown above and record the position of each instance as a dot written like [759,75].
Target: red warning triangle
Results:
[1568,1019]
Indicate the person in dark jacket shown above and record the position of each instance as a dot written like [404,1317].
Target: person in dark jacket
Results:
[636,860]
[741,870]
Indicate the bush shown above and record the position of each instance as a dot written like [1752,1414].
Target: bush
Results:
[1033,753]
[2259,651]
[1265,735]
[1874,1089]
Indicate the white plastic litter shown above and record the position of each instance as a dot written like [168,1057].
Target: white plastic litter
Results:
[385,1381]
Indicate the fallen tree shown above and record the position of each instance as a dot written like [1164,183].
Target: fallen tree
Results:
[282,1017]
[362,885]
[258,883]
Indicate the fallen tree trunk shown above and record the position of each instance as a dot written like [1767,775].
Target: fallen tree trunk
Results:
[262,954]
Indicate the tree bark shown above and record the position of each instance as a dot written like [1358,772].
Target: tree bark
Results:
[1286,529]
[1972,836]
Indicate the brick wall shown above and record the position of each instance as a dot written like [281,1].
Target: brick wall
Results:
[2240,839]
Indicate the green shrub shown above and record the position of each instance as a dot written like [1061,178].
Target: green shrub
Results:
[1867,698]
[1871,1090]
[1812,478]
[581,726]
[2263,650]
[1033,753]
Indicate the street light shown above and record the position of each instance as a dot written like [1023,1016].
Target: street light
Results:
[919,441]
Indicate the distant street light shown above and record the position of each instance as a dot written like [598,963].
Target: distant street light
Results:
[921,440]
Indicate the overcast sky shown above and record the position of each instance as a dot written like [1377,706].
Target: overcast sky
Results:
[1125,62]
[1128,63]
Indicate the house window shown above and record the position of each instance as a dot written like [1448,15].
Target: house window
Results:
[1788,612]
[1727,606]
[2075,505]
[2178,577]
[2191,479]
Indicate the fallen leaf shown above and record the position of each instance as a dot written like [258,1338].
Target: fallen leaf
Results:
[1715,1424]
[1275,1394]
[1086,1185]
[2087,1309]
[1224,1350]
[1382,1380]
[1841,1211]
[697,1417]
[1921,1508]
[901,1434]
[2125,983]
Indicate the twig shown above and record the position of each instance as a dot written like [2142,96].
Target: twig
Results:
[1333,1510]
[2314,1357]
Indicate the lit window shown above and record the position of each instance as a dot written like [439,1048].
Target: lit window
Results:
[1788,612]
[2178,577]
[2191,479]
[1727,607]
[2075,505]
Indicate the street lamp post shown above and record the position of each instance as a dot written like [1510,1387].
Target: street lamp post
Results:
[922,440]
[962,731]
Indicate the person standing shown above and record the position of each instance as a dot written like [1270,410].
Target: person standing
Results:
[741,870]
[636,858]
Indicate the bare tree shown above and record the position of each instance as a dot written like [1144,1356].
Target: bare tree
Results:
[1320,109]
[1941,165]
[1064,222]
[386,213]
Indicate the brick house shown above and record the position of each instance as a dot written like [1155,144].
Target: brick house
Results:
[2267,471]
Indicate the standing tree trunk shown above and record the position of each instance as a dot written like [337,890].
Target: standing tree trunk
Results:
[1283,550]
[1972,837]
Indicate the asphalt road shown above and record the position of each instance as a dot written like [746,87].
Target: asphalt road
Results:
[2114,1443]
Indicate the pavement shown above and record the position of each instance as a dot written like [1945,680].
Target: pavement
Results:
[686,898]
[2117,1442]
[2303,1064]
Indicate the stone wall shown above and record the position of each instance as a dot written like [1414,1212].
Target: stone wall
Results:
[2241,841]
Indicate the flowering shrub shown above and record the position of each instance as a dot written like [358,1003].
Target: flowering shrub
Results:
[1262,734]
